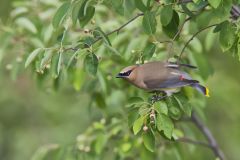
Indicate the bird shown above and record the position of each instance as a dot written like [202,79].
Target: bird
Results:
[159,76]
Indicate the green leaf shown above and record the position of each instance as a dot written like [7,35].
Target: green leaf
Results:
[175,113]
[46,59]
[59,64]
[100,101]
[129,7]
[173,108]
[149,22]
[85,18]
[100,142]
[187,11]
[26,24]
[210,39]
[137,125]
[149,50]
[145,154]
[217,28]
[149,140]
[54,63]
[223,11]
[177,134]
[98,33]
[134,101]
[144,110]
[60,14]
[196,46]
[161,107]
[227,35]
[183,104]
[51,151]
[73,57]
[32,56]
[91,64]
[132,116]
[140,5]
[172,28]
[78,79]
[56,82]
[125,147]
[214,3]
[203,19]
[75,11]
[166,15]
[112,50]
[238,48]
[165,124]
[118,6]
[88,41]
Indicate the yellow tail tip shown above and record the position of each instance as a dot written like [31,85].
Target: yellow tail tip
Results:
[207,92]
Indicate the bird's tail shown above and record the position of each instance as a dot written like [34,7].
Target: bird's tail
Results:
[200,88]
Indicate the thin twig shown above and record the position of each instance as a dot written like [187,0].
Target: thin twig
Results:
[207,133]
[71,48]
[235,11]
[121,27]
[194,35]
[183,24]
[109,33]
[191,141]
[181,28]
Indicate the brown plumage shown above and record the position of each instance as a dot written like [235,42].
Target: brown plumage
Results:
[160,76]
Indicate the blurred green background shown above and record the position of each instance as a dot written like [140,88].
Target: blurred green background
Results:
[31,117]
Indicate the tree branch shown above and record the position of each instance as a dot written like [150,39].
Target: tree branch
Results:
[235,11]
[111,32]
[207,133]
[191,141]
[181,27]
[194,35]
[121,27]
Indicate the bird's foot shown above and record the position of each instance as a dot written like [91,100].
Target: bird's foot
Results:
[158,97]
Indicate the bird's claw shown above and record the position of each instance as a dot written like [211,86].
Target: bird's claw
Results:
[157,97]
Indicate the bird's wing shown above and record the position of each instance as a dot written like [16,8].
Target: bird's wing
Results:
[176,65]
[172,80]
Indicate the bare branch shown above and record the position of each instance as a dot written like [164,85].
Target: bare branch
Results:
[181,28]
[191,141]
[121,27]
[207,133]
[109,33]
[194,35]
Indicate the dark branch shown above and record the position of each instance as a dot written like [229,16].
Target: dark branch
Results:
[207,133]
[109,33]
[235,11]
[121,27]
[191,141]
[181,28]
[195,34]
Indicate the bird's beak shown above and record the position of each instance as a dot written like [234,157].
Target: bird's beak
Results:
[119,76]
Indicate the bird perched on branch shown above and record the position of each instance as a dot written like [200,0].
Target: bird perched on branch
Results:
[161,76]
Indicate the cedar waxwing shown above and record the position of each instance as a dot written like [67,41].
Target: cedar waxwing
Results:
[160,76]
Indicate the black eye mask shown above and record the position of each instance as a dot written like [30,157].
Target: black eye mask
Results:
[125,74]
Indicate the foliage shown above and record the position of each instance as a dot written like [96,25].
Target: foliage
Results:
[81,43]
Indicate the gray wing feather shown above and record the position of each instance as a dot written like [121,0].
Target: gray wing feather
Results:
[172,82]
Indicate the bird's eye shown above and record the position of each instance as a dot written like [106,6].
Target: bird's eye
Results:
[126,73]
